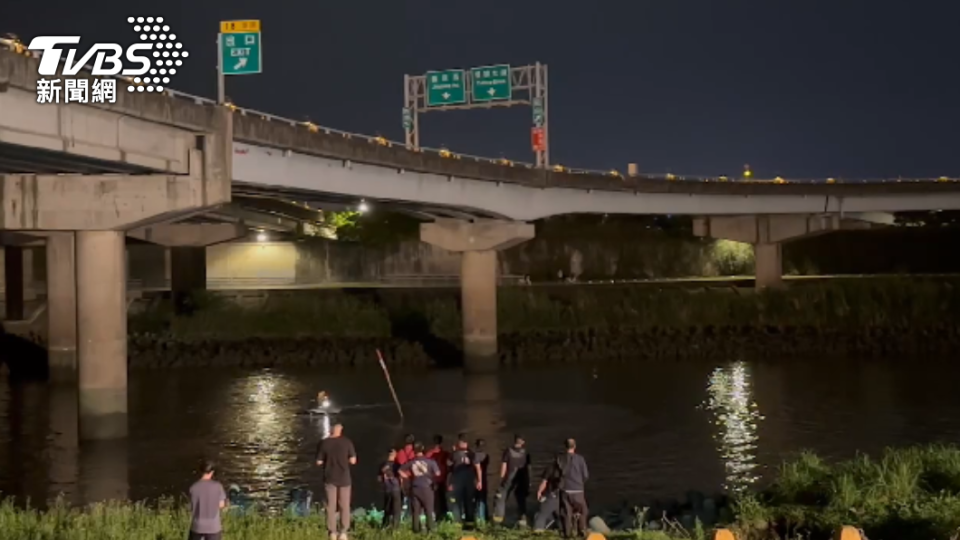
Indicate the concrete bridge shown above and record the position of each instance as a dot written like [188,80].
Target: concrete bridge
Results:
[161,168]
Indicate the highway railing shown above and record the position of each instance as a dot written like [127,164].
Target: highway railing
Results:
[18,47]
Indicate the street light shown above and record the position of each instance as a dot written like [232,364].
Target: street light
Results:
[261,236]
[363,208]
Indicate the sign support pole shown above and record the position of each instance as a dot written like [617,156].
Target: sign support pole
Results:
[410,99]
[540,91]
[221,80]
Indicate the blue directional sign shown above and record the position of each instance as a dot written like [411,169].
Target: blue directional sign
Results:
[240,50]
[491,83]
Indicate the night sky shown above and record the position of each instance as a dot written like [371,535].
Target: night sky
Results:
[845,88]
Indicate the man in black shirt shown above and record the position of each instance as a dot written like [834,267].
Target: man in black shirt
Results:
[573,480]
[463,482]
[422,473]
[514,478]
[549,496]
[481,460]
[392,498]
[336,454]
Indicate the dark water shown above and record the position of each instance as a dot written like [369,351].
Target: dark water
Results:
[653,431]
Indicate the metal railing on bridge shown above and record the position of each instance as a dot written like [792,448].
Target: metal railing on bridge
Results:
[18,47]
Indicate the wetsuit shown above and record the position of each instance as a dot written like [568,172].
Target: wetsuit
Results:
[392,497]
[424,472]
[516,482]
[462,486]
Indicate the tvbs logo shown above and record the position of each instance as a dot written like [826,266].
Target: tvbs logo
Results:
[150,62]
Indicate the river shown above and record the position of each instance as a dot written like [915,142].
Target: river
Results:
[648,431]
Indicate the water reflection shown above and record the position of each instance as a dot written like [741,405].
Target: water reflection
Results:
[730,399]
[267,440]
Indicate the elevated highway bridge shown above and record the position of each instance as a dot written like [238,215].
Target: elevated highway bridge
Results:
[167,168]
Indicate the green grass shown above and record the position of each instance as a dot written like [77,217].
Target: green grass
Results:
[169,521]
[905,494]
[897,303]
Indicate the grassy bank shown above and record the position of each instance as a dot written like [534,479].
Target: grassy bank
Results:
[909,494]
[869,317]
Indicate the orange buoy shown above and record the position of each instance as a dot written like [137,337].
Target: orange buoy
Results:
[724,534]
[849,533]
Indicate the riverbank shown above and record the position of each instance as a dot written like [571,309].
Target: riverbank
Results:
[876,318]
[906,494]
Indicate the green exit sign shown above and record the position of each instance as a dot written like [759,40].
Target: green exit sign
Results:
[491,83]
[446,88]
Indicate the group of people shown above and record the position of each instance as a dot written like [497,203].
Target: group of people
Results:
[435,481]
[442,481]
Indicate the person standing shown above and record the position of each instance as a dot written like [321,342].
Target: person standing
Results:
[336,455]
[463,483]
[515,479]
[573,480]
[392,498]
[481,460]
[207,499]
[423,473]
[549,496]
[442,458]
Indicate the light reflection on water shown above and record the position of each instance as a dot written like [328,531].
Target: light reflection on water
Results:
[639,426]
[730,399]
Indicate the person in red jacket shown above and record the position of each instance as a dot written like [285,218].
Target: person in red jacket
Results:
[439,454]
[405,453]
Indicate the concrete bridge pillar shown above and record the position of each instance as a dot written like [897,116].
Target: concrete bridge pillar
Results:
[62,305]
[478,242]
[13,282]
[102,333]
[768,263]
[188,275]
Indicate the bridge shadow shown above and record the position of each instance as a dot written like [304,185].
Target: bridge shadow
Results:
[25,358]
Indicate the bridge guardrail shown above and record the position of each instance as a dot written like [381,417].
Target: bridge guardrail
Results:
[19,48]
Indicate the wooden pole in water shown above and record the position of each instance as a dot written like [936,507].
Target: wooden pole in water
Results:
[390,383]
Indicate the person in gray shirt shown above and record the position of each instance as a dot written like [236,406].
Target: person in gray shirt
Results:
[207,499]
[573,475]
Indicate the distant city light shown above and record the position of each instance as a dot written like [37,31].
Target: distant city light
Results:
[364,207]
[261,236]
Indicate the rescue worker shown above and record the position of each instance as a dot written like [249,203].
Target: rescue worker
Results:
[573,479]
[514,479]
[422,473]
[462,485]
[481,460]
[549,496]
[389,478]
[439,454]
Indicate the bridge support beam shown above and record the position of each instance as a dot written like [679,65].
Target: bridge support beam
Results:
[478,242]
[62,305]
[767,233]
[102,332]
